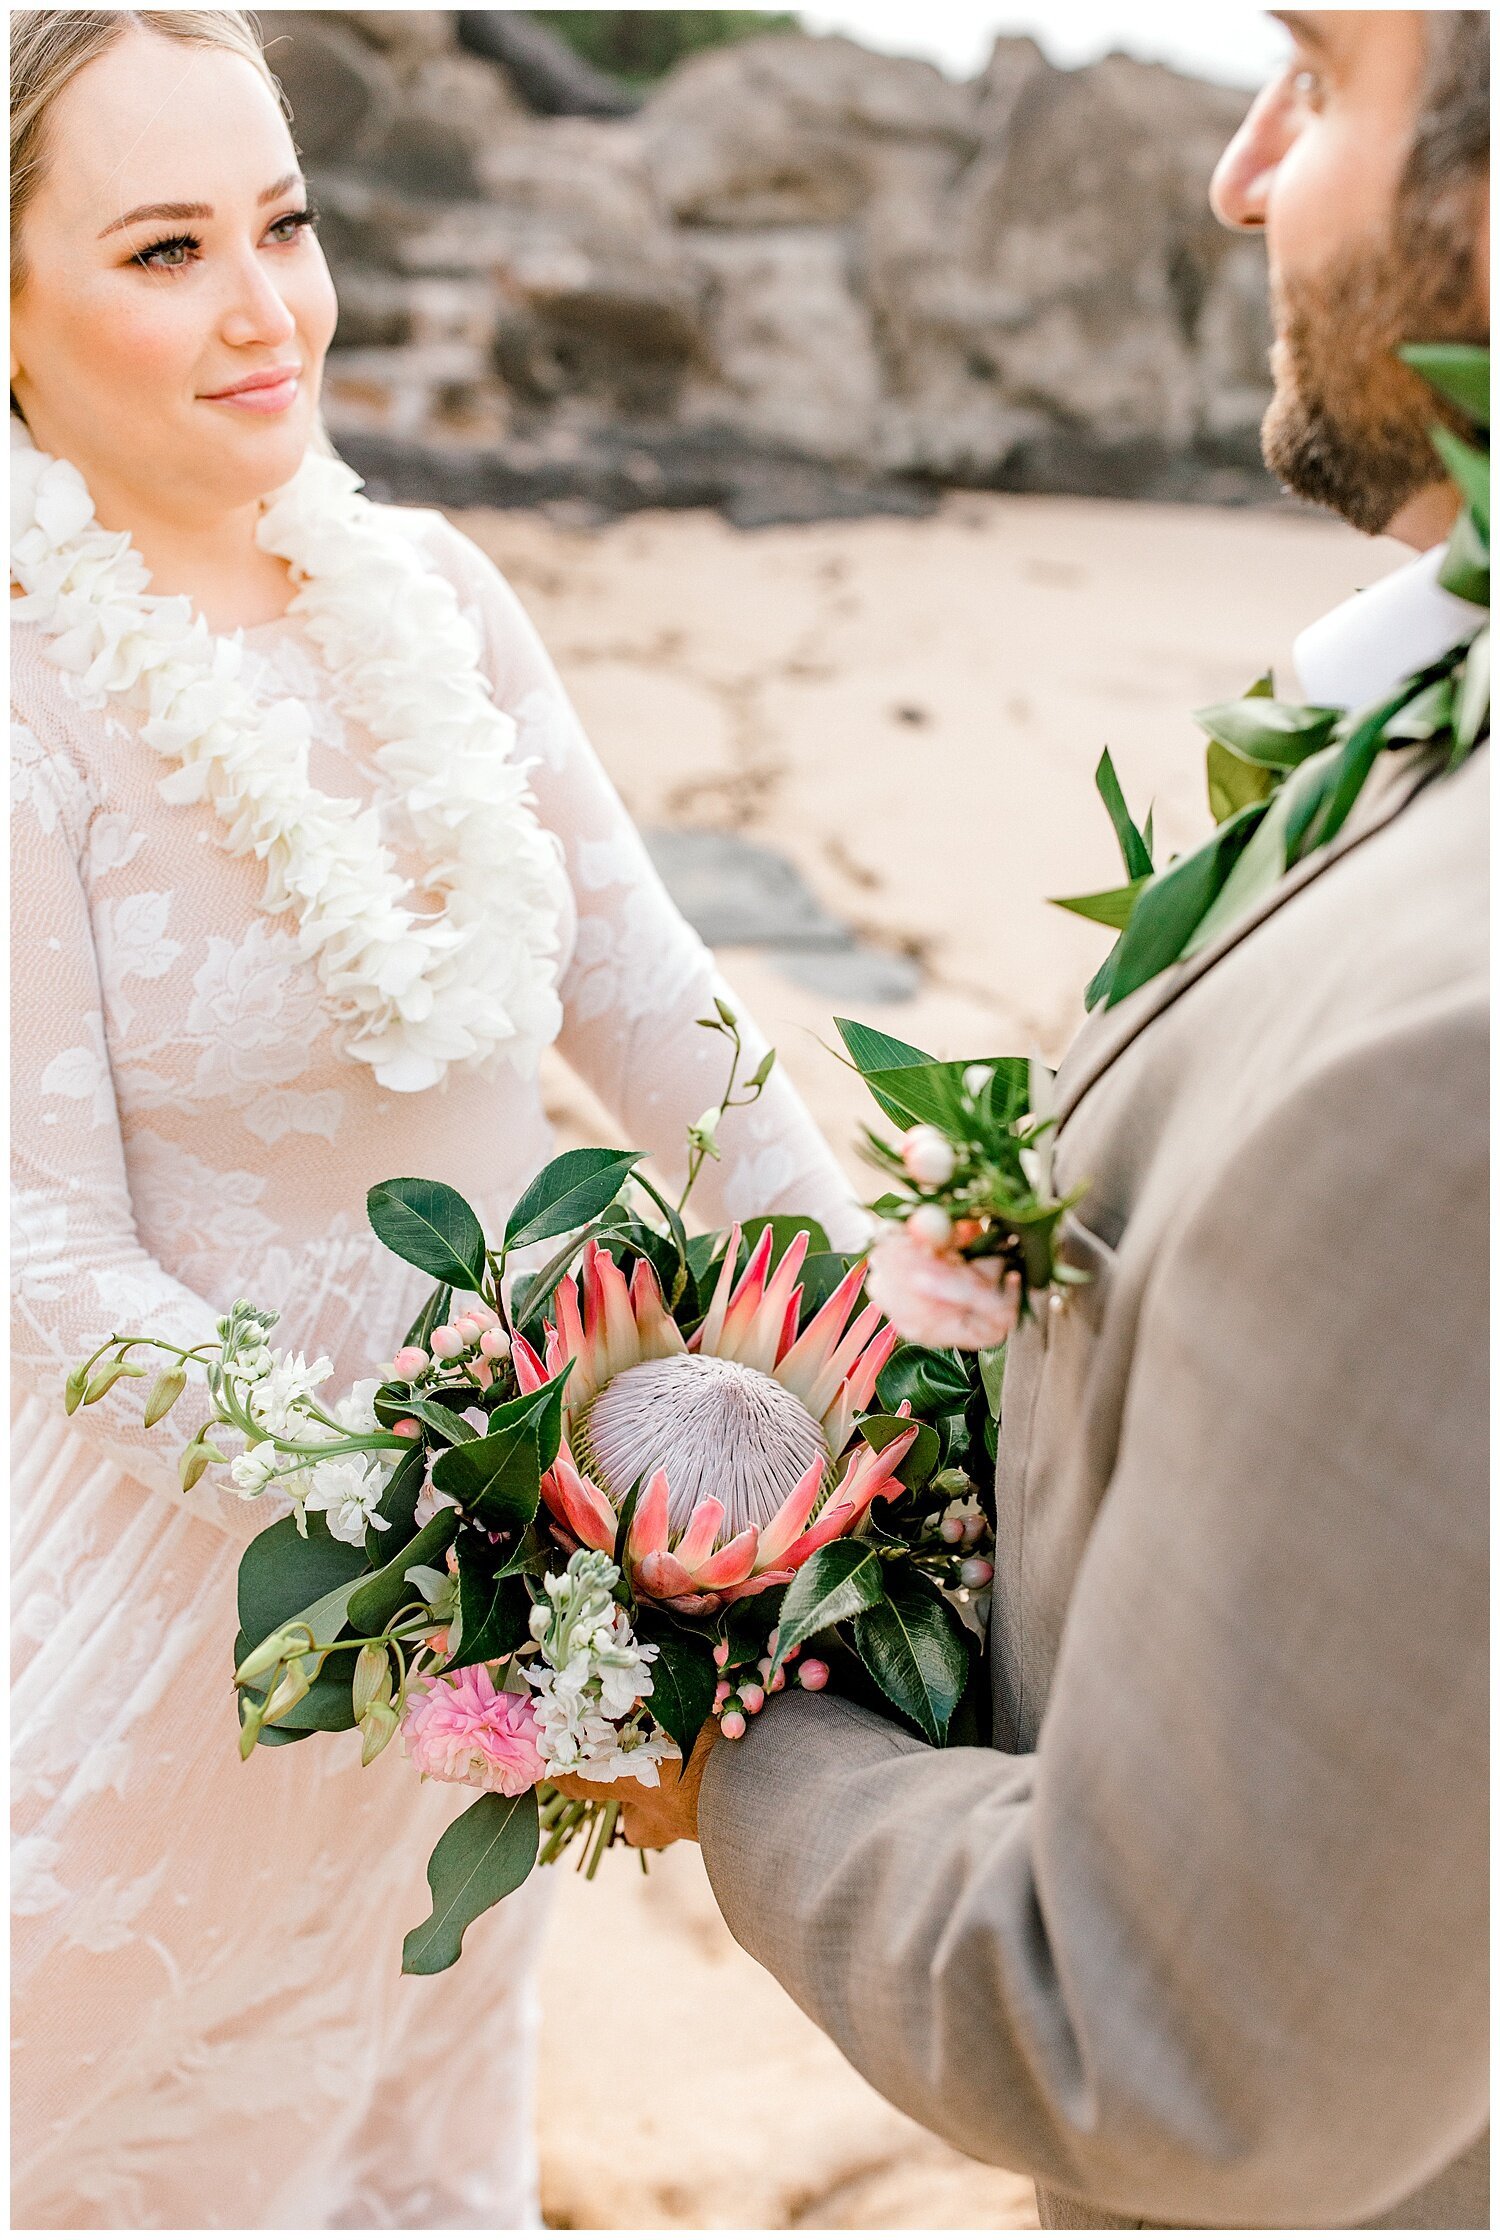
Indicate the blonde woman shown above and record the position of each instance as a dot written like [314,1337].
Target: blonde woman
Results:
[311,861]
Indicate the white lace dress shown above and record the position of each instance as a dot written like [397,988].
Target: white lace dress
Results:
[211,2026]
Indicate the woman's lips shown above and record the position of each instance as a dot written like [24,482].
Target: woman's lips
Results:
[267,393]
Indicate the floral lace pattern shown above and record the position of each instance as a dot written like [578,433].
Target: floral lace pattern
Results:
[186,1125]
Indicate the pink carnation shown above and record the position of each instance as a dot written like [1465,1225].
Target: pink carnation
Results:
[934,1298]
[461,1727]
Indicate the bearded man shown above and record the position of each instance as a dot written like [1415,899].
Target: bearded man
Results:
[1201,1939]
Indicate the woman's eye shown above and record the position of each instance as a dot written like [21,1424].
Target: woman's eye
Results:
[296,221]
[167,256]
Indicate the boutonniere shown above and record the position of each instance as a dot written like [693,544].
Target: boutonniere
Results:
[1282,778]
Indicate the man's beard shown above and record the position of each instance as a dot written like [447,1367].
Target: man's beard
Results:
[1348,424]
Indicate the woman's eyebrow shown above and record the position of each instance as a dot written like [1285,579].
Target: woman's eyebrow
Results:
[181,210]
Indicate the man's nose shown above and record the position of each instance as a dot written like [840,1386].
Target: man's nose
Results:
[256,311]
[1242,177]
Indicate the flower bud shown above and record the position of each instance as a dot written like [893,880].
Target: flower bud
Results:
[107,1374]
[928,1156]
[973,1529]
[252,1719]
[372,1679]
[192,1463]
[977,1079]
[813,1673]
[289,1691]
[446,1343]
[271,1652]
[164,1395]
[409,1361]
[721,1654]
[377,1726]
[74,1389]
[722,1692]
[951,1530]
[494,1344]
[930,1226]
[406,1427]
[732,1725]
[778,1679]
[975,1572]
[752,1698]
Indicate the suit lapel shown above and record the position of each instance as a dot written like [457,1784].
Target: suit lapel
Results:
[1108,1033]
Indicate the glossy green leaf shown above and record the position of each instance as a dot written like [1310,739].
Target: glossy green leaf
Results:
[1471,715]
[497,1478]
[1133,848]
[683,1676]
[398,1505]
[486,1853]
[1111,908]
[1277,734]
[921,1458]
[435,1311]
[431,1226]
[281,1573]
[992,1374]
[495,1610]
[1172,905]
[569,1191]
[1459,371]
[874,1052]
[914,1646]
[834,1584]
[783,1228]
[374,1604]
[446,1422]
[933,1381]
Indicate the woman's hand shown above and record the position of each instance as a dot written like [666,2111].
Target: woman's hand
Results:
[653,1818]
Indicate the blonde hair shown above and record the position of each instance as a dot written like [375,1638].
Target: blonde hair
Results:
[48,48]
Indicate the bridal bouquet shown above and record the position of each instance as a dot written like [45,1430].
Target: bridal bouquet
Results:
[583,1510]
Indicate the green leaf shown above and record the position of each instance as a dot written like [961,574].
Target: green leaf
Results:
[1277,734]
[1234,783]
[568,1192]
[1257,870]
[992,1375]
[497,1478]
[488,1852]
[835,1583]
[398,1505]
[874,1052]
[281,1574]
[1133,846]
[448,1424]
[431,1226]
[1471,715]
[1466,565]
[920,1459]
[934,1382]
[1470,469]
[1459,371]
[1172,905]
[327,1707]
[683,1677]
[912,1644]
[373,1604]
[1110,908]
[495,1610]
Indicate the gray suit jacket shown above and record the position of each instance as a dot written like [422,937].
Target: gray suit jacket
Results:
[1202,1939]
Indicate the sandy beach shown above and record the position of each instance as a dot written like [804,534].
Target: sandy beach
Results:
[912,713]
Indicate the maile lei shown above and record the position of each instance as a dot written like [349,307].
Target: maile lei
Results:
[1282,778]
[414,992]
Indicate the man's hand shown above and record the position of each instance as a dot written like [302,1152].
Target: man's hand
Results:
[653,1818]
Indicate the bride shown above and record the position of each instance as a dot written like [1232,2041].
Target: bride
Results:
[311,861]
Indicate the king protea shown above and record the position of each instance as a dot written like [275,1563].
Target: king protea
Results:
[739,1439]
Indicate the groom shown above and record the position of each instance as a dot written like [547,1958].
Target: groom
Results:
[1201,1940]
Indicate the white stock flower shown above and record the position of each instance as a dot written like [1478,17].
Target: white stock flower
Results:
[273,1395]
[593,1677]
[347,1489]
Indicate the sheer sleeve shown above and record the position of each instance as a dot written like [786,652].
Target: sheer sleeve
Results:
[79,1269]
[640,976]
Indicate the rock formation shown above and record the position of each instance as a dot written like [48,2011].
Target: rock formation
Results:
[800,278]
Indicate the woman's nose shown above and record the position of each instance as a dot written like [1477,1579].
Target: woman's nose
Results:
[257,310]
[1242,177]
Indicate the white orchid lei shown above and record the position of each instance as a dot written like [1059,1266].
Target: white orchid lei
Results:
[415,993]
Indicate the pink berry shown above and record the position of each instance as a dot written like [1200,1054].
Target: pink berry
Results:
[975,1572]
[778,1682]
[931,1226]
[467,1328]
[446,1343]
[409,1362]
[973,1527]
[494,1344]
[928,1156]
[722,1692]
[952,1530]
[814,1673]
[732,1725]
[752,1698]
[721,1653]
[406,1428]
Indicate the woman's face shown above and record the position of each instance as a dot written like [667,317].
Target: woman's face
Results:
[169,334]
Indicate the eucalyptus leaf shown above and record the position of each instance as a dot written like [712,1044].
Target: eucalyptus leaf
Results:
[281,1574]
[835,1583]
[913,1645]
[569,1191]
[486,1853]
[431,1226]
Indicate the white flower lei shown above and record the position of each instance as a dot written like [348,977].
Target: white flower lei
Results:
[415,993]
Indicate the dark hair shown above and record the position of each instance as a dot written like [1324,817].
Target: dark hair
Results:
[1451,140]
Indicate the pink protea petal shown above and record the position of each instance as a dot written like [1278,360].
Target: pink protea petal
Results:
[659,1334]
[793,1515]
[869,1473]
[622,1339]
[789,1322]
[836,1520]
[661,1576]
[741,1338]
[842,1360]
[706,1337]
[580,1504]
[649,1525]
[697,1543]
[757,1583]
[800,1369]
[754,1328]
[858,1389]
[531,1373]
[732,1563]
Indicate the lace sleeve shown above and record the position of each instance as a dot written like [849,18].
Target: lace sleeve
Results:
[640,976]
[79,1269]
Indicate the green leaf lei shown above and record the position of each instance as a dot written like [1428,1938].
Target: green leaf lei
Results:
[1283,778]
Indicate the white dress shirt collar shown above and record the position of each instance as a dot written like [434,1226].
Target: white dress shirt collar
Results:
[1361,651]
